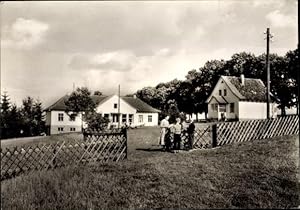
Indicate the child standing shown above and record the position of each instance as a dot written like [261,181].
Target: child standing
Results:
[177,134]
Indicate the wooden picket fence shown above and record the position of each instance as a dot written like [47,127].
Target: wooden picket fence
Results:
[96,147]
[230,132]
[221,133]
[202,138]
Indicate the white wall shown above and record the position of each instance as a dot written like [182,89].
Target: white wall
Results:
[108,106]
[145,119]
[66,124]
[221,85]
[255,110]
[230,98]
[211,114]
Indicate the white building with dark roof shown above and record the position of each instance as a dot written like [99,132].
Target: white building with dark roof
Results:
[239,98]
[133,112]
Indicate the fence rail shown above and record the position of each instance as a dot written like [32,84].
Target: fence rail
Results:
[230,132]
[100,147]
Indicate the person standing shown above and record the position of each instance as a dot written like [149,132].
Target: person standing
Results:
[164,125]
[190,131]
[177,134]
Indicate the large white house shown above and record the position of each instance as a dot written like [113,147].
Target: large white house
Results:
[239,98]
[133,111]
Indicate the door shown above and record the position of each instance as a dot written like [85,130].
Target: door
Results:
[222,111]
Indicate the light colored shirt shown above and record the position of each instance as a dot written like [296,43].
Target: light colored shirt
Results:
[178,128]
[164,123]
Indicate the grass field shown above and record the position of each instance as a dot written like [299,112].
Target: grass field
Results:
[258,174]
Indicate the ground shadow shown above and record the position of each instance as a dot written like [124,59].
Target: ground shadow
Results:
[150,149]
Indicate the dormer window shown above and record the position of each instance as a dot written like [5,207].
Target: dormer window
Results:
[220,92]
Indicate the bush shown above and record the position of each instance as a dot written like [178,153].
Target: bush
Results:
[95,121]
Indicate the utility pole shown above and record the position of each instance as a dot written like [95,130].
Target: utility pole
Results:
[119,118]
[268,72]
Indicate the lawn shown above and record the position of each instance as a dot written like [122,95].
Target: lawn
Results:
[258,174]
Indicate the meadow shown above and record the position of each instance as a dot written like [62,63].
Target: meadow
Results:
[257,174]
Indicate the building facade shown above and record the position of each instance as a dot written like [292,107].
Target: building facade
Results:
[132,112]
[239,98]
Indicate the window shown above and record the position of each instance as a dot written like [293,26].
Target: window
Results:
[115,118]
[115,106]
[149,118]
[214,107]
[72,129]
[222,107]
[124,118]
[231,107]
[220,92]
[60,117]
[140,118]
[225,92]
[130,118]
[60,129]
[72,118]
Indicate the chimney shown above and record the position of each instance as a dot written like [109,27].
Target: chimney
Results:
[242,79]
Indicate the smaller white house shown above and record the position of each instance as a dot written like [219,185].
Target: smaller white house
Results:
[239,98]
[132,111]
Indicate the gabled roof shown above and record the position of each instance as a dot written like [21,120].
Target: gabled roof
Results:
[139,105]
[253,90]
[136,103]
[220,99]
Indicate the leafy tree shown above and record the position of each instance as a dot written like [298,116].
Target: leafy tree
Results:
[38,118]
[95,121]
[172,111]
[97,93]
[80,101]
[28,116]
[15,122]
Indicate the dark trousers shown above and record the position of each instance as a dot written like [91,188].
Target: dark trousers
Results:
[177,140]
[191,140]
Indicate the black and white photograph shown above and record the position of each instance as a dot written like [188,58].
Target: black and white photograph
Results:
[149,104]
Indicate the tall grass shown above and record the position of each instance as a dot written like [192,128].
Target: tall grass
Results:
[258,174]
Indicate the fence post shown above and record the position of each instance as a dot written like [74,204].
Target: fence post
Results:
[214,135]
[125,136]
[54,160]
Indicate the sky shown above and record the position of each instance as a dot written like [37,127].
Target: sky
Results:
[47,47]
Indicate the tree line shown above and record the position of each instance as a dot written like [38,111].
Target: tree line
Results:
[189,95]
[27,120]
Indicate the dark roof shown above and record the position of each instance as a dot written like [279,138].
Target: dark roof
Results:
[139,105]
[136,103]
[252,90]
[61,106]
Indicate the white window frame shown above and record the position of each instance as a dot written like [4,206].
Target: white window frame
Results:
[141,118]
[221,106]
[130,118]
[60,117]
[150,118]
[124,118]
